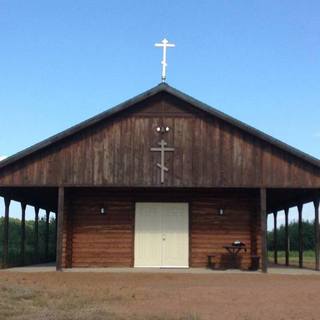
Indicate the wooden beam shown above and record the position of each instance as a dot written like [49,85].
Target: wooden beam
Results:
[287,244]
[60,228]
[304,196]
[300,208]
[317,234]
[36,234]
[263,219]
[5,245]
[275,237]
[23,233]
[47,235]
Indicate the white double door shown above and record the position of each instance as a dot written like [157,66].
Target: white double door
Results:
[161,235]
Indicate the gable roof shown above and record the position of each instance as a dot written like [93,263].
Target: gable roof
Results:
[162,87]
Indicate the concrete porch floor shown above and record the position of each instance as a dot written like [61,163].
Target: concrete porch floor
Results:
[50,267]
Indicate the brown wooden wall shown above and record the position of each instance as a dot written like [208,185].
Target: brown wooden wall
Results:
[211,232]
[95,240]
[208,153]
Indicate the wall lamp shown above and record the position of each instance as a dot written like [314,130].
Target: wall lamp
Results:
[163,129]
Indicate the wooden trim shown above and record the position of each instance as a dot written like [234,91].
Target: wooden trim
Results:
[144,186]
[287,244]
[263,217]
[60,215]
[300,208]
[133,232]
[317,234]
[190,208]
[23,233]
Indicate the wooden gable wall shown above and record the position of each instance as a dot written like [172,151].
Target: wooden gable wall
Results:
[116,152]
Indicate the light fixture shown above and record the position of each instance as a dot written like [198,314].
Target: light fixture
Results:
[162,129]
[221,212]
[102,211]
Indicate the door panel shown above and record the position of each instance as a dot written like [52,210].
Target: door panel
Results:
[175,227]
[161,235]
[148,232]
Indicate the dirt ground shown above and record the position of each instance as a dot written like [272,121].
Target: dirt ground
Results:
[158,296]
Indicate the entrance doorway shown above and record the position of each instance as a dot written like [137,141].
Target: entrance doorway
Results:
[161,235]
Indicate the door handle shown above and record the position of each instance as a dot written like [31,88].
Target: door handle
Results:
[163,237]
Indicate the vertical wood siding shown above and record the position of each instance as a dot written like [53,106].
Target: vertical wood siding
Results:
[208,153]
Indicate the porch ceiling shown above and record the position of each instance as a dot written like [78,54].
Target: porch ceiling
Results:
[280,199]
[44,197]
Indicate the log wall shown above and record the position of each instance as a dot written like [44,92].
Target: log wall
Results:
[210,232]
[95,240]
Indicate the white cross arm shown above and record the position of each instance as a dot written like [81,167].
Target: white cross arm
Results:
[169,45]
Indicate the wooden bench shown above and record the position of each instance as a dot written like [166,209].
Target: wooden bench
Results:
[255,263]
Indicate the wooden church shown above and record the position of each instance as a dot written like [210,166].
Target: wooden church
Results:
[161,180]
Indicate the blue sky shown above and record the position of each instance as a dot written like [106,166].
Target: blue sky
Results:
[64,61]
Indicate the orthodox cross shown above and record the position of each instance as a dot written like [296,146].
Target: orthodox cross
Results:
[162,150]
[164,44]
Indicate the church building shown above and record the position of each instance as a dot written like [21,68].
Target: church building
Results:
[161,180]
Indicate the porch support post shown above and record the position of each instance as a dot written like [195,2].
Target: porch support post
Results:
[56,230]
[47,236]
[317,233]
[287,244]
[5,245]
[36,234]
[60,228]
[263,219]
[23,233]
[300,207]
[275,237]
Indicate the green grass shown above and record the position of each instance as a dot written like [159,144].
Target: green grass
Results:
[308,258]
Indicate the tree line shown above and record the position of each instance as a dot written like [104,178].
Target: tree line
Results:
[308,237]
[30,258]
[14,257]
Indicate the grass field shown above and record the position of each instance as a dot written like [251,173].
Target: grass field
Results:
[141,296]
[308,258]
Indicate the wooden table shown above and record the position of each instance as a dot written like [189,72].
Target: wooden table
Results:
[234,251]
